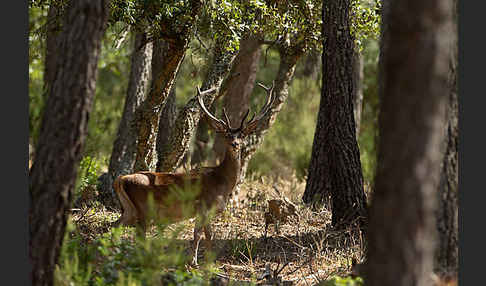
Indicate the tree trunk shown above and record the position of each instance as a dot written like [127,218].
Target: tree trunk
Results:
[63,132]
[188,118]
[122,158]
[288,60]
[237,99]
[176,40]
[53,30]
[413,100]
[147,115]
[358,89]
[447,260]
[335,166]
[202,139]
[166,124]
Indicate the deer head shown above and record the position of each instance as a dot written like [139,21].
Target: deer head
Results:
[234,137]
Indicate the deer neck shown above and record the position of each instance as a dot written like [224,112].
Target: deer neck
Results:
[230,168]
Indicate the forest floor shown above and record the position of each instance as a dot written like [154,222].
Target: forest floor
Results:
[305,249]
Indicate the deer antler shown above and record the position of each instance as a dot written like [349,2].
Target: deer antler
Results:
[255,120]
[226,119]
[217,124]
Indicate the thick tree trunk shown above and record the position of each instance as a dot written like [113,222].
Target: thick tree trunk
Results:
[122,157]
[63,133]
[413,103]
[53,30]
[288,60]
[176,40]
[147,115]
[447,259]
[188,118]
[166,124]
[335,167]
[358,89]
[237,99]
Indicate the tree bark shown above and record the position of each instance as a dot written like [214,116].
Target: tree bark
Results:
[202,140]
[147,115]
[173,50]
[413,103]
[63,132]
[237,99]
[166,124]
[447,259]
[188,118]
[335,166]
[289,55]
[122,158]
[53,30]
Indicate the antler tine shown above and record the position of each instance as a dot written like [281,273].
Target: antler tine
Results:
[269,101]
[267,89]
[226,118]
[265,109]
[218,124]
[206,91]
[244,118]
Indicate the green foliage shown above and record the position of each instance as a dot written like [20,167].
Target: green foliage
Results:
[243,250]
[114,259]
[37,19]
[167,19]
[343,281]
[365,20]
[89,169]
[74,265]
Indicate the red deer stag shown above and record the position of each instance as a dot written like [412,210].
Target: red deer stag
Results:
[210,186]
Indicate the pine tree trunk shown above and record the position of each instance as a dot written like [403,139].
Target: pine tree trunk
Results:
[335,166]
[447,259]
[188,118]
[122,158]
[237,99]
[52,35]
[413,102]
[63,132]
